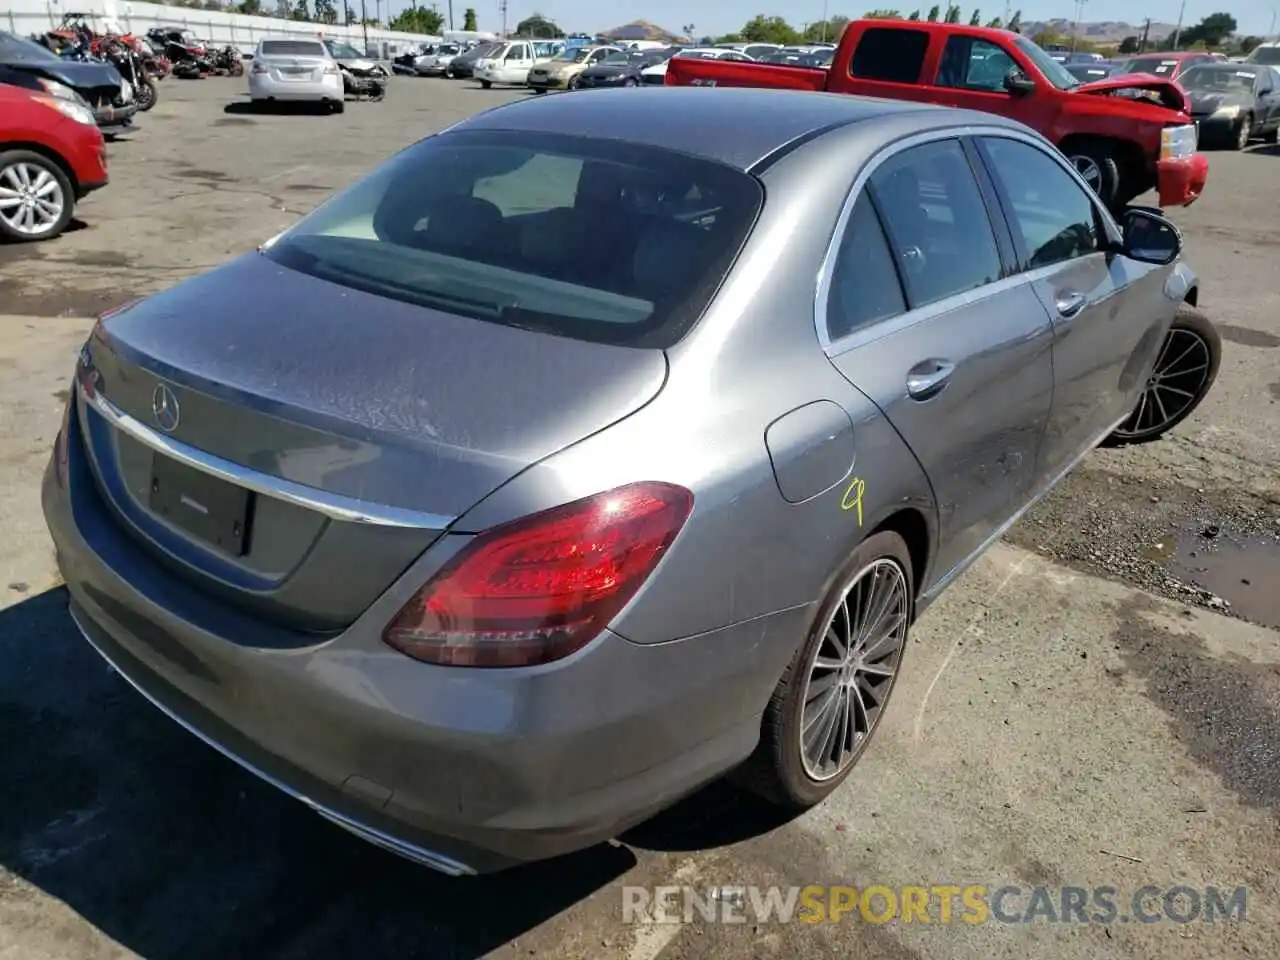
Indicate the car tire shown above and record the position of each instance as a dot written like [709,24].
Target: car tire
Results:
[338,106]
[1272,135]
[539,90]
[486,84]
[1191,330]
[25,164]
[1098,165]
[1240,136]
[629,82]
[781,770]
[573,83]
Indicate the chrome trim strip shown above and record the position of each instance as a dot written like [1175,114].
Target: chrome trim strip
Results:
[333,505]
[826,269]
[435,861]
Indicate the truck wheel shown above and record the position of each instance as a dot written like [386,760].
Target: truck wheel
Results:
[1184,372]
[1097,164]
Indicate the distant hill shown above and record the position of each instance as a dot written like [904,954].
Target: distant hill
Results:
[1104,31]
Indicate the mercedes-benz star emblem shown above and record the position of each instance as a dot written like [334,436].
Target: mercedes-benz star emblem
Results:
[164,407]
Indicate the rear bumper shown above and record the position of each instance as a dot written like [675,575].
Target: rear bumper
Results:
[463,770]
[1180,182]
[265,88]
[547,83]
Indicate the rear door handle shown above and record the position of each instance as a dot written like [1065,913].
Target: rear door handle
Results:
[1069,304]
[927,378]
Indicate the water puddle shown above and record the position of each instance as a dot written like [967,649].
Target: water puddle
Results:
[1242,570]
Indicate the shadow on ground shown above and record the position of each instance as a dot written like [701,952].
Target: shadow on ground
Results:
[250,108]
[173,851]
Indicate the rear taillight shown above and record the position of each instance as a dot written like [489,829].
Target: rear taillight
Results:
[258,67]
[539,588]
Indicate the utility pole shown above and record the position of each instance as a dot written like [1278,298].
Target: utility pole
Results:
[502,7]
[450,14]
[1075,29]
[1177,31]
[364,24]
[824,21]
[1146,34]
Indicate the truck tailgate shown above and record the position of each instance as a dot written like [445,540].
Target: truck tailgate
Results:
[696,72]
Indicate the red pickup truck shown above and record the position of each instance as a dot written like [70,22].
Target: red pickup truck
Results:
[1122,145]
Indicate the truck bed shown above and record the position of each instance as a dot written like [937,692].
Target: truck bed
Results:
[695,72]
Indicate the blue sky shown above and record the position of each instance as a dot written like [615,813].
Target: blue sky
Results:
[723,16]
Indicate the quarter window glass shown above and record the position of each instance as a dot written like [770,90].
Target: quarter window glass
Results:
[937,223]
[864,285]
[1050,211]
[974,65]
[891,54]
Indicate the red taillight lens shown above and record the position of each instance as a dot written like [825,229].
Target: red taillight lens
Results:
[540,588]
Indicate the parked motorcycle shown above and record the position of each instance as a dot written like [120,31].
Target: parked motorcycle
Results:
[228,62]
[188,55]
[126,59]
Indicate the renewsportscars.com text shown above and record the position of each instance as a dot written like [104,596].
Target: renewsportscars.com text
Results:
[939,903]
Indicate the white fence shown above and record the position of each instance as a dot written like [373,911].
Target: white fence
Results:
[25,17]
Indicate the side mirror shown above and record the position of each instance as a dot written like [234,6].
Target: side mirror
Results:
[1018,83]
[1150,238]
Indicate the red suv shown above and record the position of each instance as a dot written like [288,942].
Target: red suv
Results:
[51,155]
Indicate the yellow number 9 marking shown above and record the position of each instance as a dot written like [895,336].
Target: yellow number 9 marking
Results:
[852,499]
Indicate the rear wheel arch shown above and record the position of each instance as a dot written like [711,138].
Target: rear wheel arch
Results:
[910,524]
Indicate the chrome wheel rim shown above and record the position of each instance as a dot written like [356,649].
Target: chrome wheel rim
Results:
[1088,168]
[853,670]
[1242,138]
[31,199]
[1175,385]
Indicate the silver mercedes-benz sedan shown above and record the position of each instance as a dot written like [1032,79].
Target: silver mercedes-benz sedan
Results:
[592,449]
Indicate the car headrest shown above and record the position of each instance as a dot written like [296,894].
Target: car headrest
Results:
[667,253]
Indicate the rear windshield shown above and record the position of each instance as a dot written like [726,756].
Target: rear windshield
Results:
[292,48]
[1267,55]
[593,239]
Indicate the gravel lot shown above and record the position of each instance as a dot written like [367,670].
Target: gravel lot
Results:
[1060,722]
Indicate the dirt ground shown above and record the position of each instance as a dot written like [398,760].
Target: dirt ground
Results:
[1073,713]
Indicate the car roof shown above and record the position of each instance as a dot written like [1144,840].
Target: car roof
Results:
[736,126]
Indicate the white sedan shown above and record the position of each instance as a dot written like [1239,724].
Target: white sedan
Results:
[295,70]
[657,74]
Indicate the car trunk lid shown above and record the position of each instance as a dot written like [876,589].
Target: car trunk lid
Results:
[342,431]
[294,68]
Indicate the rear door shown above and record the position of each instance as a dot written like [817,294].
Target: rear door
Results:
[887,62]
[1109,313]
[971,74]
[921,318]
